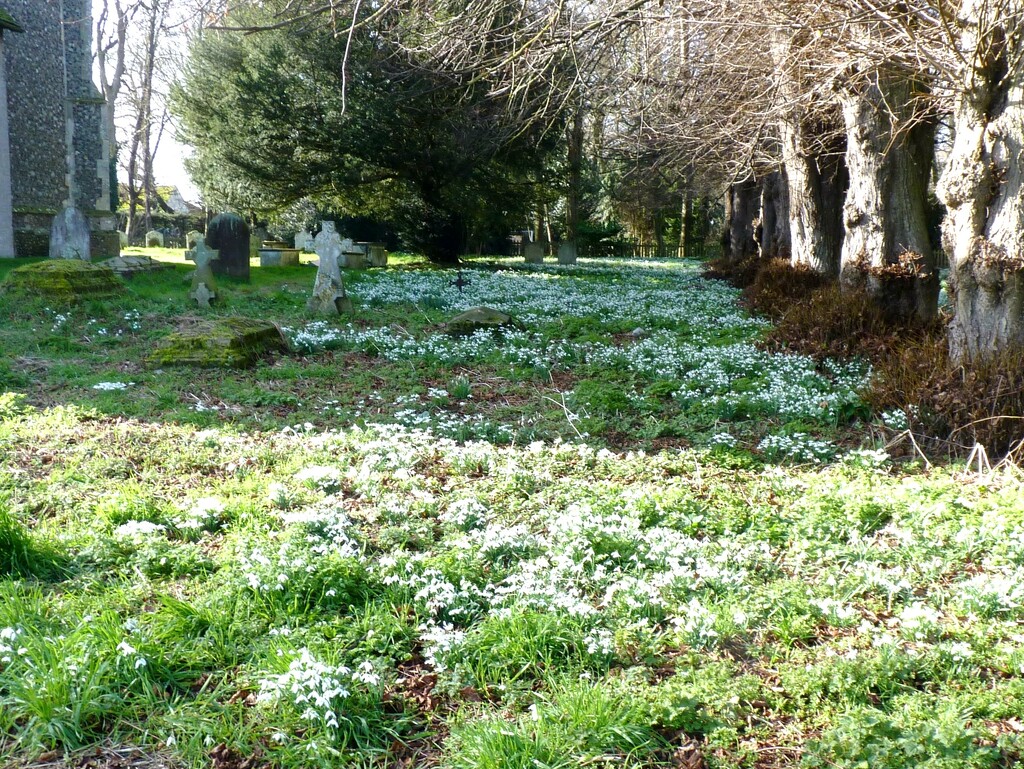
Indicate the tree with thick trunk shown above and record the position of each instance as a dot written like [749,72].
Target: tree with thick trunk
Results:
[817,185]
[812,156]
[983,233]
[773,236]
[575,187]
[886,249]
[743,200]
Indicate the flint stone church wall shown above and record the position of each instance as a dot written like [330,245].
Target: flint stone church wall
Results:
[59,156]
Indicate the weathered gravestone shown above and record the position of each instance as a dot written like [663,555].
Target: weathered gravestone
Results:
[204,286]
[154,239]
[567,252]
[533,253]
[376,255]
[69,236]
[481,319]
[329,289]
[190,238]
[303,239]
[353,257]
[123,239]
[234,342]
[127,266]
[229,235]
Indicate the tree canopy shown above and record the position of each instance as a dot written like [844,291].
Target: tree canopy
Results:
[359,127]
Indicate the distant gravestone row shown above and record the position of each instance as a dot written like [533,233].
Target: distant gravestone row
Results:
[533,253]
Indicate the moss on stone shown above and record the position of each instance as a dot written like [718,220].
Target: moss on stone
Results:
[223,343]
[7,22]
[105,243]
[64,281]
[481,318]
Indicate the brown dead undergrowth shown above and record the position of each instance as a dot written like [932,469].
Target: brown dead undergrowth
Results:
[950,408]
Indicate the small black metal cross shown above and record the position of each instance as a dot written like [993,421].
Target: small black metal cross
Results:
[460,282]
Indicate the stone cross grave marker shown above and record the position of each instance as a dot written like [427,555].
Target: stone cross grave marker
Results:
[329,289]
[204,285]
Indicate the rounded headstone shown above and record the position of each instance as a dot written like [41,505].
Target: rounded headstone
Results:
[69,236]
[533,253]
[567,252]
[154,239]
[229,234]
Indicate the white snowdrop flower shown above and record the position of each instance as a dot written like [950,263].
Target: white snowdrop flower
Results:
[112,386]
[139,529]
[126,649]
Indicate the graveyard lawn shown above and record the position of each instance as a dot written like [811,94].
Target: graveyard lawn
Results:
[616,533]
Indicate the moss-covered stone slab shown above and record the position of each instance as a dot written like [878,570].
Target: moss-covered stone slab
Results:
[478,318]
[221,343]
[64,281]
[126,266]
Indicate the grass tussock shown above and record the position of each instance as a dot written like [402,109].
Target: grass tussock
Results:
[21,555]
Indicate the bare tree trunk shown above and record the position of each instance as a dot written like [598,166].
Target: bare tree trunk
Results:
[817,180]
[541,234]
[111,46]
[134,190]
[575,160]
[773,242]
[744,200]
[812,149]
[147,112]
[686,223]
[983,189]
[886,250]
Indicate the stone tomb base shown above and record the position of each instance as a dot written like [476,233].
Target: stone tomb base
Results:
[222,343]
[64,281]
[127,266]
[279,257]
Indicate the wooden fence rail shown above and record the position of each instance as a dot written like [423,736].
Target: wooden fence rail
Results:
[622,250]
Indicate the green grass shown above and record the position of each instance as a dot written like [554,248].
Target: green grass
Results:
[572,547]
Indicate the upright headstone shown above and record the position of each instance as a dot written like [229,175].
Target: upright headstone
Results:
[378,255]
[229,235]
[123,238]
[69,236]
[190,238]
[154,239]
[567,252]
[204,286]
[256,239]
[302,239]
[533,253]
[329,289]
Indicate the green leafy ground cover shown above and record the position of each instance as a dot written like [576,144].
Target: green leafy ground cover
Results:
[625,536]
